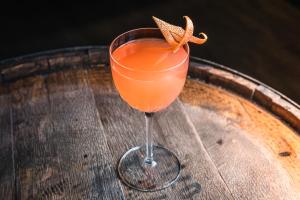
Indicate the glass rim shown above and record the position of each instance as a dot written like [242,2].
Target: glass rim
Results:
[134,70]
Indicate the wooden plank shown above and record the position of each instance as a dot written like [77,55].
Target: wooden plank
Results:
[248,166]
[30,110]
[7,169]
[80,135]
[181,136]
[61,152]
[125,126]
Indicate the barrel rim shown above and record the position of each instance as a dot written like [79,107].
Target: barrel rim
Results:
[50,52]
[247,77]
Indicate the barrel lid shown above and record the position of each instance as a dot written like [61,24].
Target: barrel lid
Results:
[64,127]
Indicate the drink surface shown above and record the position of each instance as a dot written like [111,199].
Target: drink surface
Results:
[148,55]
[148,74]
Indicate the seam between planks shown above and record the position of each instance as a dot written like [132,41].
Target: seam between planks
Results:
[99,121]
[14,183]
[200,143]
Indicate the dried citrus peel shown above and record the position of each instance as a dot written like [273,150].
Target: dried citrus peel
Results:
[177,36]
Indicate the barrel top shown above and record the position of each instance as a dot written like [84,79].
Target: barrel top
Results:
[63,128]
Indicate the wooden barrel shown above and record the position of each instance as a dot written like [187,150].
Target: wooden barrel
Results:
[63,128]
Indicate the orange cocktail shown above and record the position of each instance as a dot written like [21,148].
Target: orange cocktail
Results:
[148,74]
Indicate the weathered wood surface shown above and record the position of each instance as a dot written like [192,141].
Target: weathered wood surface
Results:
[58,152]
[63,128]
[7,177]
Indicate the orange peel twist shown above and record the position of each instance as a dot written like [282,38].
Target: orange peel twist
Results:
[177,36]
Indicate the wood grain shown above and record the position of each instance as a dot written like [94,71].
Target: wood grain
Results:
[33,154]
[60,152]
[245,143]
[81,138]
[7,170]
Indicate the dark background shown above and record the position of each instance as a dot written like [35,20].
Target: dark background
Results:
[260,38]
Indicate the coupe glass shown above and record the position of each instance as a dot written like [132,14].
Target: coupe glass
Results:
[148,167]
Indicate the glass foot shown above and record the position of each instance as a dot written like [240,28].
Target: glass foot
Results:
[160,174]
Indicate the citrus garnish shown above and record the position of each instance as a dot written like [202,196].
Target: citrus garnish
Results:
[177,36]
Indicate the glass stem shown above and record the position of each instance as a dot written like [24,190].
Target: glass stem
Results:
[149,142]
